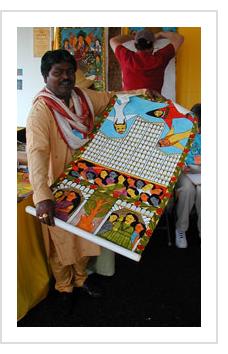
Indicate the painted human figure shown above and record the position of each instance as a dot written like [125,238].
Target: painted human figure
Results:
[170,112]
[66,206]
[137,234]
[120,118]
[126,229]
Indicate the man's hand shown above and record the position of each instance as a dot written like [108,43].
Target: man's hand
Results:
[158,35]
[155,95]
[120,39]
[45,212]
[175,38]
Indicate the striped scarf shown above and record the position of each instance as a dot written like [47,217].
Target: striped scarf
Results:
[82,119]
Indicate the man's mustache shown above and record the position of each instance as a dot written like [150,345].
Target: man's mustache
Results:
[66,82]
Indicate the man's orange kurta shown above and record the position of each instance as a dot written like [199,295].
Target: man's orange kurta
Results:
[48,156]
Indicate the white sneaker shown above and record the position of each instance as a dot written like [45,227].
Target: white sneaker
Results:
[181,241]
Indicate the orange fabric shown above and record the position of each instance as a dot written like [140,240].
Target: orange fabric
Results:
[69,248]
[67,276]
[48,155]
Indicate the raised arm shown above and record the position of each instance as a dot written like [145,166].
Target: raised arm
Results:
[120,39]
[175,38]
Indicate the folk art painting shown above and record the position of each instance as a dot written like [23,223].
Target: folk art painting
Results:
[118,185]
[88,46]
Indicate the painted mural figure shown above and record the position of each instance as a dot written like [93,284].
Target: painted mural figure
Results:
[66,44]
[137,234]
[122,229]
[169,113]
[173,139]
[66,204]
[86,44]
[120,119]
[81,47]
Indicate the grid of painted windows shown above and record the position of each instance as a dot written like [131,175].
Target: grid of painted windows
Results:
[137,154]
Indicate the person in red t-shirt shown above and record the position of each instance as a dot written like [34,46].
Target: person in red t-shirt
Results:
[145,68]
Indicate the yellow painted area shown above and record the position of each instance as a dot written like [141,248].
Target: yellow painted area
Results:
[188,68]
[33,275]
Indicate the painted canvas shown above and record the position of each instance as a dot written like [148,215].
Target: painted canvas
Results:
[118,185]
[88,46]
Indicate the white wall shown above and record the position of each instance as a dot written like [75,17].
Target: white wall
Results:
[32,78]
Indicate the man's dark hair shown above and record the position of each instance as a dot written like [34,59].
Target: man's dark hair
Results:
[196,109]
[143,44]
[55,57]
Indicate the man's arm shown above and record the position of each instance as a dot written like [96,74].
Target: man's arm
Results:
[175,38]
[118,40]
[38,151]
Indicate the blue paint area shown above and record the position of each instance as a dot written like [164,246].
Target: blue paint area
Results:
[78,134]
[180,125]
[108,129]
[169,29]
[136,106]
[97,31]
[139,107]
[165,131]
[184,142]
[195,150]
[171,150]
[135,29]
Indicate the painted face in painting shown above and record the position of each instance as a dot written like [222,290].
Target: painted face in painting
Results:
[120,128]
[61,79]
[58,194]
[131,192]
[129,219]
[113,218]
[103,174]
[158,113]
[139,228]
[139,184]
[80,39]
[144,197]
[154,201]
[121,179]
[90,175]
[164,142]
[113,174]
[72,195]
[82,165]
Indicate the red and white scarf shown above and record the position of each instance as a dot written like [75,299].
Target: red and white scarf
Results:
[82,120]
